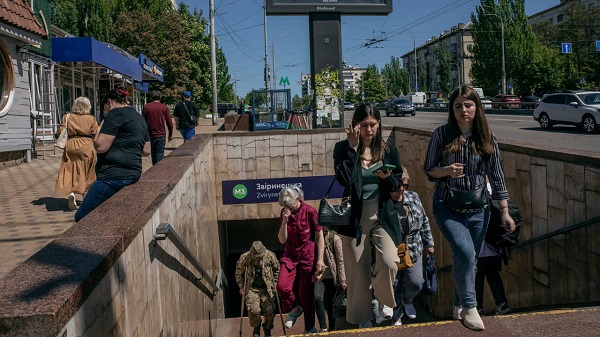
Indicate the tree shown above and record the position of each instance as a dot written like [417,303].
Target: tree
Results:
[395,77]
[487,37]
[371,84]
[351,96]
[545,73]
[443,69]
[422,77]
[297,102]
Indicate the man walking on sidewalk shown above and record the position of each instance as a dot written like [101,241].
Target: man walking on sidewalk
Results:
[186,115]
[156,115]
[259,268]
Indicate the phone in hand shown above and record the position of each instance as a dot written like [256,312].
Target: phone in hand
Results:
[384,167]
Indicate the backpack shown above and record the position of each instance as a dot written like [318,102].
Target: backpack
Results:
[497,234]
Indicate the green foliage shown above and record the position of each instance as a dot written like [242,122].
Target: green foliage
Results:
[395,78]
[422,77]
[297,102]
[351,96]
[443,69]
[545,73]
[487,47]
[371,84]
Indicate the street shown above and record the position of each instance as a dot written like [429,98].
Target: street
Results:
[514,129]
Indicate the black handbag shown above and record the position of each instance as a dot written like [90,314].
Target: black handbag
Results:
[469,201]
[193,118]
[340,301]
[334,216]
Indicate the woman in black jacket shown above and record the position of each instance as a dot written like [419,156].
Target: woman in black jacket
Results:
[356,168]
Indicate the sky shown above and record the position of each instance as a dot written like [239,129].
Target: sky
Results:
[240,34]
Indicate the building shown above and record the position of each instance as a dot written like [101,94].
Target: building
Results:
[455,41]
[555,15]
[306,86]
[352,75]
[19,30]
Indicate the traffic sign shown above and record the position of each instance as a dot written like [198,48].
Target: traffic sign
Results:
[597,45]
[416,88]
[510,85]
[582,81]
[566,48]
[284,81]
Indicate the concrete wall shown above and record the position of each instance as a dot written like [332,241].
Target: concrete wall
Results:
[554,190]
[106,276]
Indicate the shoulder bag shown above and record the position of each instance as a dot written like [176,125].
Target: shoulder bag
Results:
[334,216]
[469,201]
[61,141]
[193,118]
[403,251]
[430,276]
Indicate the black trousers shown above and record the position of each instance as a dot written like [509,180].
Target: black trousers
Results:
[324,293]
[489,268]
[157,149]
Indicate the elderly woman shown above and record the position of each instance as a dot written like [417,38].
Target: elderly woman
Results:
[76,173]
[301,235]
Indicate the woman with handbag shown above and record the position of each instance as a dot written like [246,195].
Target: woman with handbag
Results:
[460,155]
[406,217]
[357,162]
[328,280]
[302,256]
[121,142]
[77,173]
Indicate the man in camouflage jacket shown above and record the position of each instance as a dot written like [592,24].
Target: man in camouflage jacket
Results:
[259,268]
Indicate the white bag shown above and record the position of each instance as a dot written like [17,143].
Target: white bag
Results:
[61,141]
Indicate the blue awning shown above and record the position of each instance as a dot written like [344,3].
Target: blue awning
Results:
[87,49]
[150,71]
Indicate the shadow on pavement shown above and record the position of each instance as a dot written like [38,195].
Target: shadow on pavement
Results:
[53,204]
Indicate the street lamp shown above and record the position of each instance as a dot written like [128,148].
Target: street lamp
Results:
[415,49]
[503,91]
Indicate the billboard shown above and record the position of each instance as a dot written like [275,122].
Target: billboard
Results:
[365,7]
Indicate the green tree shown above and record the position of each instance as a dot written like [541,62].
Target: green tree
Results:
[546,72]
[351,96]
[297,102]
[443,69]
[395,78]
[487,37]
[423,76]
[371,84]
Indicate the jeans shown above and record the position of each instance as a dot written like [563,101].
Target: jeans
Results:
[489,267]
[324,293]
[157,148]
[407,285]
[465,234]
[99,192]
[187,133]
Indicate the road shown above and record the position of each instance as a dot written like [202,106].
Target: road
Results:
[515,129]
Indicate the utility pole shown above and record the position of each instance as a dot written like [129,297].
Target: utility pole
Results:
[213,64]
[415,49]
[266,50]
[273,57]
[235,87]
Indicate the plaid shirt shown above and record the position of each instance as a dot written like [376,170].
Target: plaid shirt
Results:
[419,233]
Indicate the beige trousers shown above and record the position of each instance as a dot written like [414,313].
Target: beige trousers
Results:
[359,272]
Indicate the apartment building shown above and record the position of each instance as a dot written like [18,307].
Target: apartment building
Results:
[555,15]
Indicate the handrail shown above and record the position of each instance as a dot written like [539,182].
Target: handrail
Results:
[565,230]
[163,231]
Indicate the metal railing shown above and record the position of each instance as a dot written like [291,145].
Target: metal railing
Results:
[557,232]
[164,231]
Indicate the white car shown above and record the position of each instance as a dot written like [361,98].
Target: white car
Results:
[579,108]
[486,102]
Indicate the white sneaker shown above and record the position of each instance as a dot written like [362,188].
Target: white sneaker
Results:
[72,201]
[385,311]
[398,322]
[456,313]
[378,312]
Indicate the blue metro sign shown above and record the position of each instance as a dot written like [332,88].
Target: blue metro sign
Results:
[566,48]
[597,45]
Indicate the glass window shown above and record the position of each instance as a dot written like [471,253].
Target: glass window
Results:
[554,99]
[6,81]
[571,98]
[560,18]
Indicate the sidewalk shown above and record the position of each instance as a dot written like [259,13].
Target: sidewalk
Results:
[33,215]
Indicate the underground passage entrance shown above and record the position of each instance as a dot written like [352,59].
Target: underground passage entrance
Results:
[238,237]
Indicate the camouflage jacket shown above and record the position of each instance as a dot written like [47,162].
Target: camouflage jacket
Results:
[270,271]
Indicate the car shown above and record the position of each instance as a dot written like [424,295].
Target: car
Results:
[580,108]
[529,102]
[383,104]
[224,108]
[438,103]
[348,106]
[400,107]
[486,102]
[506,102]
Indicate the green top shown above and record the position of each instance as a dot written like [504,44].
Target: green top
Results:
[370,184]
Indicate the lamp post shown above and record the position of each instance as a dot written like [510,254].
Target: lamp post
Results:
[503,78]
[415,49]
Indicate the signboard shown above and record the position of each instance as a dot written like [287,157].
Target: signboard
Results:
[150,68]
[284,81]
[566,48]
[366,7]
[267,190]
[597,45]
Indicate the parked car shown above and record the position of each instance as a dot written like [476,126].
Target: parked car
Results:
[224,108]
[438,103]
[383,104]
[486,102]
[529,102]
[581,109]
[348,106]
[400,107]
[507,102]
